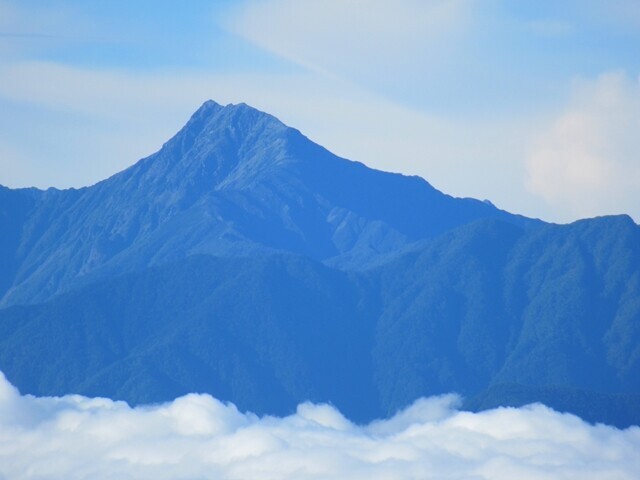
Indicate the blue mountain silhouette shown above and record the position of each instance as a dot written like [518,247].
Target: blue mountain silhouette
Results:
[246,261]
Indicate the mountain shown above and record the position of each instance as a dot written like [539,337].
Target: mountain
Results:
[234,181]
[246,261]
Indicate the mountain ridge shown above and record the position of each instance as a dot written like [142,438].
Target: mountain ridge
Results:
[243,260]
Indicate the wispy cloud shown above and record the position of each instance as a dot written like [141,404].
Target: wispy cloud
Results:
[45,23]
[30,35]
[197,436]
[373,43]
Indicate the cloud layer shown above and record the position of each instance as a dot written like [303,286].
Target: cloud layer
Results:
[197,436]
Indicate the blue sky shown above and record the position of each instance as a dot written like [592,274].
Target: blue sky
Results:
[533,105]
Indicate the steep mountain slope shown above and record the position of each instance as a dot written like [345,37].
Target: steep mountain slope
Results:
[246,261]
[14,208]
[234,181]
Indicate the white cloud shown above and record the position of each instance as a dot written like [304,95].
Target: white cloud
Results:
[197,436]
[588,161]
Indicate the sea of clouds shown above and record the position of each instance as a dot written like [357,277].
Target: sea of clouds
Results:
[199,437]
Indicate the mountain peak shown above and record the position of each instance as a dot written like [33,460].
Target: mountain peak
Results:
[212,119]
[212,110]
[207,109]
[218,144]
[211,107]
[234,172]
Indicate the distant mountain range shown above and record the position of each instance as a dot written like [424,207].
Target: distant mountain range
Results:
[246,261]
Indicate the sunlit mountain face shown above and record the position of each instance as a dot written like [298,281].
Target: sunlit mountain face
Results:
[245,261]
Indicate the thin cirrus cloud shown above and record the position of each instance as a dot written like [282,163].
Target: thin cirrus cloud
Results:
[26,30]
[379,44]
[197,436]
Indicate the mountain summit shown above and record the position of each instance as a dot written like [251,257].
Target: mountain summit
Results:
[219,146]
[246,261]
